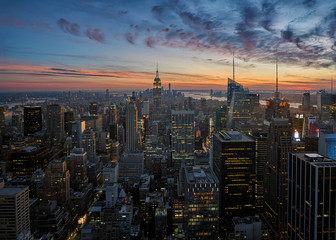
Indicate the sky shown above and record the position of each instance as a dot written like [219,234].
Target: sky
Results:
[95,45]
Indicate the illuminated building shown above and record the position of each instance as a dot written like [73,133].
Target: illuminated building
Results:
[238,104]
[275,107]
[157,93]
[55,120]
[201,203]
[89,145]
[132,134]
[177,214]
[221,117]
[260,139]
[77,167]
[93,108]
[279,144]
[182,138]
[161,222]
[95,122]
[14,212]
[113,116]
[27,160]
[234,163]
[32,120]
[311,196]
[327,145]
[297,122]
[248,228]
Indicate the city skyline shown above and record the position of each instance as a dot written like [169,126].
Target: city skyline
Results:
[89,45]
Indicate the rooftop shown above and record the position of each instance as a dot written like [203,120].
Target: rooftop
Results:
[200,175]
[11,191]
[233,136]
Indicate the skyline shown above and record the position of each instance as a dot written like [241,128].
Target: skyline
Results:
[88,45]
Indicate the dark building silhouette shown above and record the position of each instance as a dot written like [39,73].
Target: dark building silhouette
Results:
[55,120]
[311,196]
[234,163]
[32,120]
[279,144]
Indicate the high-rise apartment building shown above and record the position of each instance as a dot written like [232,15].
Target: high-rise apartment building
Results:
[311,197]
[55,120]
[182,138]
[32,120]
[234,164]
[14,212]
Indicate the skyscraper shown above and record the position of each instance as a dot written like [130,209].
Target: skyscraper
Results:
[311,196]
[279,144]
[260,139]
[89,144]
[14,212]
[238,102]
[201,203]
[275,107]
[55,120]
[234,160]
[32,120]
[157,92]
[113,117]
[182,138]
[132,135]
[93,108]
[77,168]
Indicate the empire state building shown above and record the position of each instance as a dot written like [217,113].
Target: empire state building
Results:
[157,92]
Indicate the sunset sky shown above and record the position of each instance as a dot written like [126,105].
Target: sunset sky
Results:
[95,45]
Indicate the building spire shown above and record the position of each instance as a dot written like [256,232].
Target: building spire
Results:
[277,80]
[157,70]
[233,66]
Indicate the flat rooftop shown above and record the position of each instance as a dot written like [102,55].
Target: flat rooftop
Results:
[200,175]
[11,191]
[233,136]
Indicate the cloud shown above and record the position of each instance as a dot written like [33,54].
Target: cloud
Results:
[131,37]
[95,34]
[68,27]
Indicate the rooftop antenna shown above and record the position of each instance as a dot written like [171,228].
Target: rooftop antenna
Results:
[233,66]
[157,70]
[331,85]
[277,78]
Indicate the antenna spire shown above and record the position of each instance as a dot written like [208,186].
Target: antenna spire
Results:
[233,66]
[277,80]
[157,70]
